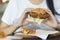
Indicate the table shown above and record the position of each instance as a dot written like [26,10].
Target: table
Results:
[11,38]
[50,37]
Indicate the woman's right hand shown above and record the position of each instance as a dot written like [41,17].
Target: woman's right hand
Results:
[51,21]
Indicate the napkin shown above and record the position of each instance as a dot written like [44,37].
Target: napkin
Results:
[43,33]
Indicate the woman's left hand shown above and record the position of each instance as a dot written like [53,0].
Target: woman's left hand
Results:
[51,21]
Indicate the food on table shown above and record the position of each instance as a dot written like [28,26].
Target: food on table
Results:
[28,31]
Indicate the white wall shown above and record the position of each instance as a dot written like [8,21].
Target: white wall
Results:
[2,9]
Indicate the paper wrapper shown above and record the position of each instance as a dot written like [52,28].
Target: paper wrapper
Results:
[34,20]
[39,33]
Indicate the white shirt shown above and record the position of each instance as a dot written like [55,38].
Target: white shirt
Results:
[57,8]
[15,8]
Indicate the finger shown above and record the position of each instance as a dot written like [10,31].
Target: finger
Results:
[51,15]
[45,20]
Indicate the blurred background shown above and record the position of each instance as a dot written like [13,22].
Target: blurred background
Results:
[3,5]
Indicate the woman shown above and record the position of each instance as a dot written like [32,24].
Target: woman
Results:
[14,14]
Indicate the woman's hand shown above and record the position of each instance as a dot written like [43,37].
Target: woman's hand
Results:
[24,16]
[51,21]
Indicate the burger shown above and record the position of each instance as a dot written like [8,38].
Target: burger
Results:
[39,13]
[36,16]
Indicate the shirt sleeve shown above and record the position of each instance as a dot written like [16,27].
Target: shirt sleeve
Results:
[10,12]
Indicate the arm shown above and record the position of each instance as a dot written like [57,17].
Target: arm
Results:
[3,25]
[8,30]
[51,20]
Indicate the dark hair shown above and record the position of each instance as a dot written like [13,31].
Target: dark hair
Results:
[50,5]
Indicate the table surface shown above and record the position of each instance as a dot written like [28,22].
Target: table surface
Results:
[50,37]
[55,36]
